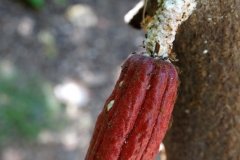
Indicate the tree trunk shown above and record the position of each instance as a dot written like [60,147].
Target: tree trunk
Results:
[206,117]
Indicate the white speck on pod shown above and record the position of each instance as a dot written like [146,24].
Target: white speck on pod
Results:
[148,86]
[110,104]
[120,84]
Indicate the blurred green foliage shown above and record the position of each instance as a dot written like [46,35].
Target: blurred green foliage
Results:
[27,105]
[40,3]
[36,3]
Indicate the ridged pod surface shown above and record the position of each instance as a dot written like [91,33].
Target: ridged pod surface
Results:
[135,117]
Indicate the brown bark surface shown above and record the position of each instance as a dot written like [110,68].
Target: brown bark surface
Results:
[206,117]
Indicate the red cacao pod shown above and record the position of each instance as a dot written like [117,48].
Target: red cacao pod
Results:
[135,117]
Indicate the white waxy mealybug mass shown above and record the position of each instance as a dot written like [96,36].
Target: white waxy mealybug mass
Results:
[110,104]
[146,54]
[162,30]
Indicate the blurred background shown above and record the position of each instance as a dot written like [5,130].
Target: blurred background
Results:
[59,60]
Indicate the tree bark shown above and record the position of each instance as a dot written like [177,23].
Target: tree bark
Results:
[206,117]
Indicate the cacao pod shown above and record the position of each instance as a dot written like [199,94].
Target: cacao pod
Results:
[135,117]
